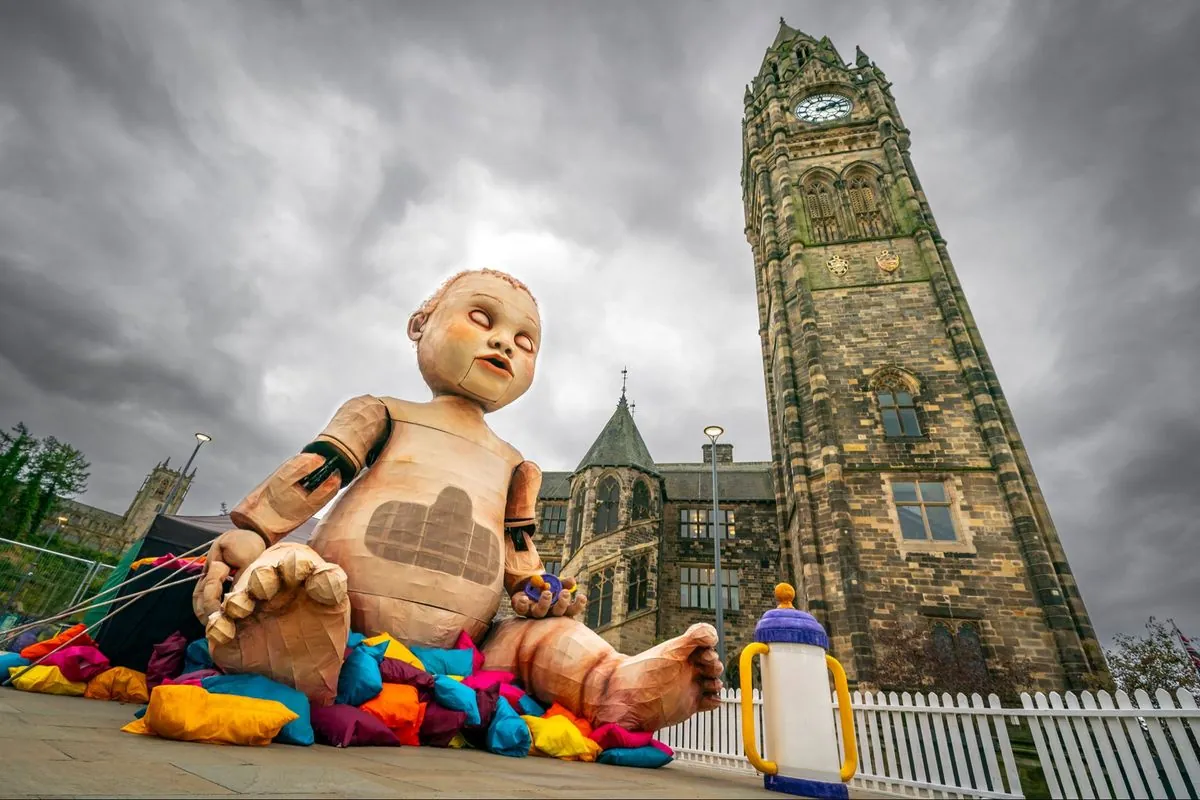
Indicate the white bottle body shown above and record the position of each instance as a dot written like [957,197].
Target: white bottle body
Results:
[800,735]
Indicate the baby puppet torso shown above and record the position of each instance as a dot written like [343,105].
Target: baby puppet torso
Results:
[419,533]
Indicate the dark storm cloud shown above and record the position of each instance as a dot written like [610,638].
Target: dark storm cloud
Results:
[218,217]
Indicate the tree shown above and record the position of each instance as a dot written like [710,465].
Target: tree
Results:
[65,473]
[948,657]
[1152,662]
[18,447]
[34,475]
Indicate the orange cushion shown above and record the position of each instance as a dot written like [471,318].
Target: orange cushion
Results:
[398,708]
[119,683]
[75,632]
[190,714]
[582,724]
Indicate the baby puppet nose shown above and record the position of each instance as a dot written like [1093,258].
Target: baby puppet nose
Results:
[501,345]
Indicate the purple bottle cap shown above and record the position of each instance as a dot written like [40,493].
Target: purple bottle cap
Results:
[554,583]
[789,624]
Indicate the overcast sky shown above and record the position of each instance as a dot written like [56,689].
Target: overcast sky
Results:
[218,217]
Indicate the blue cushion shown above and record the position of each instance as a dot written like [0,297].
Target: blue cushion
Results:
[360,680]
[453,695]
[141,712]
[649,757]
[298,731]
[354,639]
[197,657]
[508,734]
[531,707]
[8,660]
[445,662]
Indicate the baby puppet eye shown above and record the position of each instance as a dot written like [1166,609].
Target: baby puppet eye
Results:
[481,318]
[524,342]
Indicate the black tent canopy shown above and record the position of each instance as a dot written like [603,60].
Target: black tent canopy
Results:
[129,636]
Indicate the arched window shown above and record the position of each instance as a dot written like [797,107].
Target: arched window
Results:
[608,506]
[600,597]
[969,654]
[576,522]
[641,500]
[864,204]
[821,202]
[895,393]
[943,646]
[639,584]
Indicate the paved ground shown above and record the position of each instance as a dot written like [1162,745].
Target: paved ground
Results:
[73,747]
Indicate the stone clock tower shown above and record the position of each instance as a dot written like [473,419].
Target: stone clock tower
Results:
[906,500]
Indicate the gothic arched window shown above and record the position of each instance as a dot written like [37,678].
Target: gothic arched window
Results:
[608,506]
[639,584]
[600,597]
[895,393]
[576,522]
[969,654]
[641,500]
[821,203]
[864,204]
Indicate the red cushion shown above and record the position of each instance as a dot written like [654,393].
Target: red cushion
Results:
[346,726]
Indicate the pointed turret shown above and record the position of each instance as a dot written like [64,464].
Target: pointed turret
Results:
[860,58]
[620,444]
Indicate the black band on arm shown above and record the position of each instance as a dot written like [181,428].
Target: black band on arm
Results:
[517,534]
[334,462]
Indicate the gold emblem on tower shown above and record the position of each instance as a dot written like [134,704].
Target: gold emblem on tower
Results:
[887,260]
[838,265]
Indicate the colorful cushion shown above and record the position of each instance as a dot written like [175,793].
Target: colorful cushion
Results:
[397,707]
[166,660]
[43,679]
[194,678]
[197,656]
[558,736]
[582,724]
[484,679]
[298,731]
[508,735]
[466,643]
[610,735]
[457,697]
[526,705]
[347,726]
[78,662]
[656,744]
[487,700]
[75,635]
[360,680]
[647,757]
[441,725]
[395,650]
[190,714]
[445,662]
[122,684]
[393,670]
[8,660]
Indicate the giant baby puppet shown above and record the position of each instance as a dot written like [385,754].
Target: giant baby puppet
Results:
[435,525]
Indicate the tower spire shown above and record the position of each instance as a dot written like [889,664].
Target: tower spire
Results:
[624,375]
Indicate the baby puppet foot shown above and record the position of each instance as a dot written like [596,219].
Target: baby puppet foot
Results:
[287,618]
[664,685]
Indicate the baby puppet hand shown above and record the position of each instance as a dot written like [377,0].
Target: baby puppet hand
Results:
[547,606]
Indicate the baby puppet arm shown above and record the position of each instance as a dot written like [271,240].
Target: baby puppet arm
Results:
[521,559]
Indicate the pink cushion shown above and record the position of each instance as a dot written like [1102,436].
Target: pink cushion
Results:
[666,749]
[511,693]
[610,735]
[79,663]
[192,678]
[484,679]
[465,643]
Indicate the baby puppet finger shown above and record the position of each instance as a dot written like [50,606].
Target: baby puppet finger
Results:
[577,605]
[564,601]
[543,606]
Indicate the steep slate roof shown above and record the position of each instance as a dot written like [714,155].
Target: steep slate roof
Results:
[619,444]
[555,486]
[744,481]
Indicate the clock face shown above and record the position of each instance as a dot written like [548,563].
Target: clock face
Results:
[824,108]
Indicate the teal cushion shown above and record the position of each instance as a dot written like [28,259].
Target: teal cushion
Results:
[648,757]
[8,660]
[197,657]
[508,735]
[298,731]
[360,680]
[445,662]
[453,695]
[531,707]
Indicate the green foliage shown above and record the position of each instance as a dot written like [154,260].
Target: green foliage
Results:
[34,475]
[1151,662]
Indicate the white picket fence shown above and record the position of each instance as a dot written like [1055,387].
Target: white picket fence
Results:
[926,745]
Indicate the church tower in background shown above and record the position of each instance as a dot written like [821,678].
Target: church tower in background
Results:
[904,494]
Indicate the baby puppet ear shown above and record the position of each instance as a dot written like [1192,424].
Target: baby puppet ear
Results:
[416,325]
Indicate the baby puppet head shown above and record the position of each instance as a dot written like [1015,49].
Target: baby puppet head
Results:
[478,337]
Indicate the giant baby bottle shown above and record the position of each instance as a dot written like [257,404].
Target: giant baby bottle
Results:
[800,736]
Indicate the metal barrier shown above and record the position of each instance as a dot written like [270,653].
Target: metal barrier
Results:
[36,582]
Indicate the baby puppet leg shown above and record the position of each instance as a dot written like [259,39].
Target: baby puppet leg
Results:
[561,660]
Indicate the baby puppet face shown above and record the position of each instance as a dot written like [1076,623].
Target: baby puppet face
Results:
[480,342]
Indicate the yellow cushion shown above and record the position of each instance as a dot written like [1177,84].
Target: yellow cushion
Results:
[190,714]
[557,736]
[119,683]
[458,741]
[395,649]
[45,679]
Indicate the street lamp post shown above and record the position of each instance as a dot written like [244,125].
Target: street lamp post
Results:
[201,438]
[713,432]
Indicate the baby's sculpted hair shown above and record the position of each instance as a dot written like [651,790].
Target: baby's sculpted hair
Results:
[429,305]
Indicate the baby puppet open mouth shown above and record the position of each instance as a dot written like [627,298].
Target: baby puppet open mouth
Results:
[496,363]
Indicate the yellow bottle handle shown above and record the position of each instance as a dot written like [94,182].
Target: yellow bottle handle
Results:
[745,668]
[849,742]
